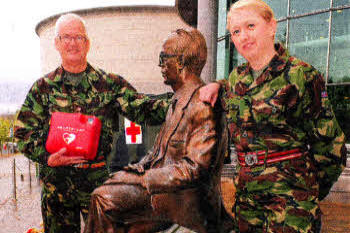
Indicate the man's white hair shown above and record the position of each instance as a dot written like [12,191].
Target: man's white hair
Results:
[66,17]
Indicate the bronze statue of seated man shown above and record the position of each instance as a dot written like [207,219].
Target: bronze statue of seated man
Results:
[178,182]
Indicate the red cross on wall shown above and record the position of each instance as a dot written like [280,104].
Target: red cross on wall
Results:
[133,131]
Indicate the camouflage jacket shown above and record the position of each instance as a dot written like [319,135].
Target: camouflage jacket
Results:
[96,93]
[285,107]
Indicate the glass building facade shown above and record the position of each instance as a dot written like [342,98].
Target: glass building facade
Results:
[317,32]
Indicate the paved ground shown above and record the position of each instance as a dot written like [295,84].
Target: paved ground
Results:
[18,216]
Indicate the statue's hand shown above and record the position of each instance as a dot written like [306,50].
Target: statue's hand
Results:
[136,167]
[124,177]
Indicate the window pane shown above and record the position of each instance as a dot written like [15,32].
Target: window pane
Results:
[339,63]
[281,32]
[339,96]
[308,39]
[222,48]
[222,59]
[339,67]
[340,2]
[222,9]
[279,8]
[306,6]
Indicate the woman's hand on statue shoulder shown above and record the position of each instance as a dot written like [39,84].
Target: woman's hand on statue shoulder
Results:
[209,93]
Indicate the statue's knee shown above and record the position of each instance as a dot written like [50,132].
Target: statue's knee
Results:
[108,198]
[96,193]
[99,194]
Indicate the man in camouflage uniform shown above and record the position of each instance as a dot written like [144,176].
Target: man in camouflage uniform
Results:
[289,145]
[76,87]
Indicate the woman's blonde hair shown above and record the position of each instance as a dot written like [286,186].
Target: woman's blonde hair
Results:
[259,6]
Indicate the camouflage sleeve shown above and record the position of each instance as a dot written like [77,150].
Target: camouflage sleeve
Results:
[138,107]
[226,91]
[326,139]
[32,125]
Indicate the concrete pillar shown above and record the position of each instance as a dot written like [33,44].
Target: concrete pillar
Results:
[208,25]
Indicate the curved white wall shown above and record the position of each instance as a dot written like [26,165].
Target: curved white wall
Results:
[124,40]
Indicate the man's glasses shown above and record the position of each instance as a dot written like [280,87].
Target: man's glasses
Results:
[68,38]
[164,56]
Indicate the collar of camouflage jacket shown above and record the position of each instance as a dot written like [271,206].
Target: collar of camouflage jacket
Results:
[61,76]
[60,72]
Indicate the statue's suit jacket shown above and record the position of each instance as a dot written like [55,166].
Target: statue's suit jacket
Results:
[182,173]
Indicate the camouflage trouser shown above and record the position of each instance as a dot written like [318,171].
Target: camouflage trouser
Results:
[66,194]
[282,198]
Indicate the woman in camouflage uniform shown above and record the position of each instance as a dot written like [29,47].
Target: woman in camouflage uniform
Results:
[289,145]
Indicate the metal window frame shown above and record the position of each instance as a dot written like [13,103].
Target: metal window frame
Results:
[316,12]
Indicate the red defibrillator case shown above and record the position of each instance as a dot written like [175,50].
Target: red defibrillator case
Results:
[77,132]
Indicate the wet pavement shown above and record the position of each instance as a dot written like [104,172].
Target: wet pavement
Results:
[18,216]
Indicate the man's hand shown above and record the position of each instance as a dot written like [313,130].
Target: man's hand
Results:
[136,167]
[209,93]
[124,177]
[59,159]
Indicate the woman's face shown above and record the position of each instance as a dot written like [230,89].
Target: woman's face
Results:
[251,34]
